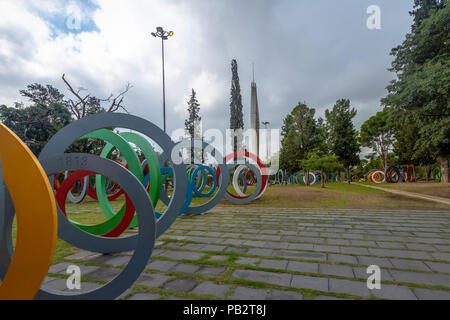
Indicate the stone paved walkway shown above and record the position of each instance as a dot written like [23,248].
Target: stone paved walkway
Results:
[287,254]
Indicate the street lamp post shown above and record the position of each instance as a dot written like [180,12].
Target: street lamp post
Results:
[164,35]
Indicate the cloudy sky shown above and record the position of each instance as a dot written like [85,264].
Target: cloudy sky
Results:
[303,50]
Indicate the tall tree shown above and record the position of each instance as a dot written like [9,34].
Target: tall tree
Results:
[420,94]
[299,137]
[237,116]
[343,137]
[422,10]
[376,133]
[35,124]
[192,125]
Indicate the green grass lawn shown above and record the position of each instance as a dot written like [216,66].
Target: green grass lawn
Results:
[337,195]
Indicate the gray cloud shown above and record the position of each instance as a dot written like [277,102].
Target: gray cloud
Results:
[313,51]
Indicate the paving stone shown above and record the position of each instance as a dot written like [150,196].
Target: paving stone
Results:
[237,249]
[288,232]
[327,248]
[337,270]
[418,246]
[153,280]
[400,253]
[442,247]
[267,237]
[185,268]
[328,298]
[244,293]
[59,267]
[361,273]
[193,246]
[103,274]
[438,267]
[180,285]
[409,264]
[427,294]
[354,250]
[252,243]
[341,242]
[57,284]
[282,279]
[157,252]
[422,278]
[48,279]
[161,265]
[176,298]
[305,267]
[390,244]
[175,245]
[394,293]
[352,236]
[314,283]
[212,271]
[342,258]
[312,234]
[260,252]
[183,255]
[211,247]
[209,287]
[284,295]
[236,242]
[80,255]
[277,245]
[349,287]
[372,261]
[118,261]
[247,261]
[86,287]
[273,264]
[145,296]
[363,243]
[441,256]
[300,246]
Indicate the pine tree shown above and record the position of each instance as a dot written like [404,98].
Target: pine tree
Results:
[343,137]
[237,117]
[192,125]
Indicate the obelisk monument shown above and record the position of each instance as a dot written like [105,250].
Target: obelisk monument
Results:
[254,118]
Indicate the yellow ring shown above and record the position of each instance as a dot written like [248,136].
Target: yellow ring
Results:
[36,219]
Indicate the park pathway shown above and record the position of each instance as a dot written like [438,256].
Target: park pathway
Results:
[410,194]
[286,254]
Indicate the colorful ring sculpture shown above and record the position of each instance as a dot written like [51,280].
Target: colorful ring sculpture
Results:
[34,245]
[139,180]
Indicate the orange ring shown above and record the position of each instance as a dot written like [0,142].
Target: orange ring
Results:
[36,219]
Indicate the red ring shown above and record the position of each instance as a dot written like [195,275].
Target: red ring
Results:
[62,192]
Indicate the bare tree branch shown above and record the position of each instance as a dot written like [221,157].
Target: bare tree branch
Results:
[84,105]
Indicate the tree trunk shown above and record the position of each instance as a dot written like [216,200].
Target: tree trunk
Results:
[307,178]
[348,174]
[338,178]
[427,173]
[444,168]
[323,178]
